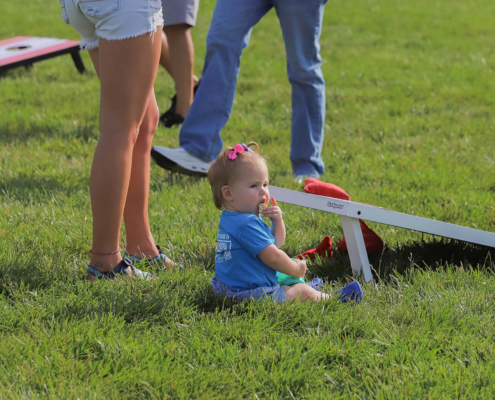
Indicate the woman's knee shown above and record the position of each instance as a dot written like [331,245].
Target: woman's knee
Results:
[118,134]
[149,124]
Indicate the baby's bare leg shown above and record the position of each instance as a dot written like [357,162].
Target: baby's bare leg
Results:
[304,292]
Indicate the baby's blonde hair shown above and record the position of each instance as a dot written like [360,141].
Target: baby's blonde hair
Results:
[223,170]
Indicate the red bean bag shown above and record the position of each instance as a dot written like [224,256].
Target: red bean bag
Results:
[372,241]
[315,186]
[324,249]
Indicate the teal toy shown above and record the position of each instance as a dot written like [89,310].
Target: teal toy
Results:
[287,280]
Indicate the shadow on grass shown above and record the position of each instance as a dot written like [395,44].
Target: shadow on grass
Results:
[23,187]
[58,287]
[24,131]
[16,73]
[420,256]
[433,255]
[168,178]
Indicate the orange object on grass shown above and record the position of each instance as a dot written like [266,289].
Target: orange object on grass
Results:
[324,249]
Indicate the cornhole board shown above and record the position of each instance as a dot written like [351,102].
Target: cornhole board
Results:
[24,51]
[350,212]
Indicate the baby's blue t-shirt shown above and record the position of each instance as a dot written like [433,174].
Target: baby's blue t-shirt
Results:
[240,239]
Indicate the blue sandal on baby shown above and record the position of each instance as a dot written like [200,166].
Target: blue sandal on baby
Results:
[352,291]
[159,259]
[120,269]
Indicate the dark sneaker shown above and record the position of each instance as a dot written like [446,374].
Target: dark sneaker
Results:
[170,118]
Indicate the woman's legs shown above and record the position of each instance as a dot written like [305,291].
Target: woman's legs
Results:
[139,239]
[165,56]
[127,70]
[177,41]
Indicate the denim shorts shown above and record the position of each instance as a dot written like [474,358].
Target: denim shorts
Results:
[111,19]
[276,293]
[177,12]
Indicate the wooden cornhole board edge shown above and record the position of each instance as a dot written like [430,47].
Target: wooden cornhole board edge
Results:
[28,57]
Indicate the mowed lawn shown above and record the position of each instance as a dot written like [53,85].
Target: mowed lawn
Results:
[410,126]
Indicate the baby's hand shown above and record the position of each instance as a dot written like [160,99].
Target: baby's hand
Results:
[301,267]
[273,212]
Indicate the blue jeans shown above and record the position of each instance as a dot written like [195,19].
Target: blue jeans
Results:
[276,293]
[230,30]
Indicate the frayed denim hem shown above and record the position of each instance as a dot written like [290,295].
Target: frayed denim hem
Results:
[90,46]
[150,31]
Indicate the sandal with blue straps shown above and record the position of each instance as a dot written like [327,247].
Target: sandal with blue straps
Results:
[123,268]
[352,291]
[161,258]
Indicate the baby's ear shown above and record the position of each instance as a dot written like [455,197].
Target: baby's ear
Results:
[226,193]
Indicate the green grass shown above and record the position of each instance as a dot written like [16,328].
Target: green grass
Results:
[410,127]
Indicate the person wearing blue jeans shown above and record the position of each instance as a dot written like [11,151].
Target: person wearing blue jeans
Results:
[230,30]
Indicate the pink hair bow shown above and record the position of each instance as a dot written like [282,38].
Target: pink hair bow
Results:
[238,148]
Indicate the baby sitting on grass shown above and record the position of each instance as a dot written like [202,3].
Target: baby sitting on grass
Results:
[248,258]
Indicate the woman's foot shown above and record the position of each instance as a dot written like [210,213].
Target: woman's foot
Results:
[161,258]
[170,117]
[123,268]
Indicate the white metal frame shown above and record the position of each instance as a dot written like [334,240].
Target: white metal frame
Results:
[350,212]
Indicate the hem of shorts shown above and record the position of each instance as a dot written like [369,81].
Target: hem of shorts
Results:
[91,46]
[88,46]
[188,21]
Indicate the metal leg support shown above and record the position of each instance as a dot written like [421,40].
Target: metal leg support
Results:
[76,57]
[356,247]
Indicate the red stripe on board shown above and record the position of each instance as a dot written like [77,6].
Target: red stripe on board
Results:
[33,54]
[12,40]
